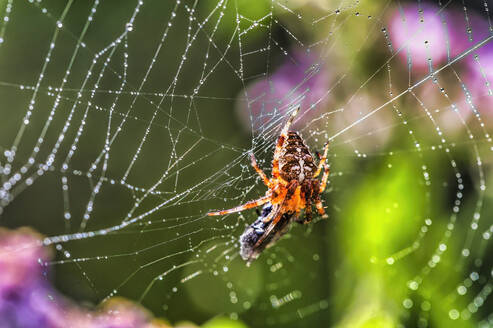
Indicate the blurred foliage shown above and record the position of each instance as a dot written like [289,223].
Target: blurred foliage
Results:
[223,323]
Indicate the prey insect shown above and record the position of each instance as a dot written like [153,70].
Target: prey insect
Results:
[261,235]
[292,188]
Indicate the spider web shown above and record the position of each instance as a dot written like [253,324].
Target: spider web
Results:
[123,125]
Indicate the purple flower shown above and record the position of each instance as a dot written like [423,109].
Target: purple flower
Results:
[300,79]
[465,33]
[426,31]
[27,300]
[479,64]
[20,258]
[418,33]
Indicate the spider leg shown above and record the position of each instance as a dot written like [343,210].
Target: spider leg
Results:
[322,161]
[275,214]
[259,170]
[316,197]
[323,183]
[308,213]
[320,209]
[250,204]
[280,142]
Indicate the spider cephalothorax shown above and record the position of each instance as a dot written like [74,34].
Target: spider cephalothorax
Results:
[293,187]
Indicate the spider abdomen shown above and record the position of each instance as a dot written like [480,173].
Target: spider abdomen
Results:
[296,162]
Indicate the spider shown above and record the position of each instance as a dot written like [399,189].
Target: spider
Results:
[293,186]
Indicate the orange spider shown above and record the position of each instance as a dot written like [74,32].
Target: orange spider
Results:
[293,185]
